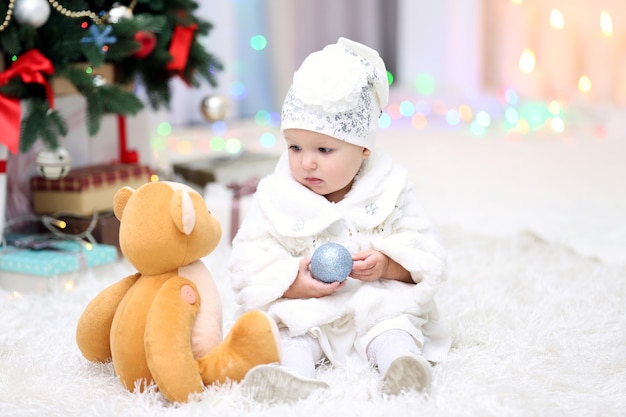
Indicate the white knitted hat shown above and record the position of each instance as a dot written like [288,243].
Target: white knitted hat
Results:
[339,91]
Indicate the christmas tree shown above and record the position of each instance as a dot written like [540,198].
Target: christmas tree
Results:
[145,41]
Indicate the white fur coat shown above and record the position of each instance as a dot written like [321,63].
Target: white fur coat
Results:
[287,222]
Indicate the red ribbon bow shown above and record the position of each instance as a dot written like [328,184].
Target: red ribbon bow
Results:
[29,67]
[179,48]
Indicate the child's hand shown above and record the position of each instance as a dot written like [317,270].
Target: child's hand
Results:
[372,265]
[369,265]
[305,286]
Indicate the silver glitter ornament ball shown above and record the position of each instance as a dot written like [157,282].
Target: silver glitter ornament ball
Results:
[331,262]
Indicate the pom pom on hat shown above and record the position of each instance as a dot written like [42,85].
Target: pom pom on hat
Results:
[339,91]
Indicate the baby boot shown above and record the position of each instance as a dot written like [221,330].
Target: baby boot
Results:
[276,383]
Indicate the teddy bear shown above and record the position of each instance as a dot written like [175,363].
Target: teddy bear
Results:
[163,324]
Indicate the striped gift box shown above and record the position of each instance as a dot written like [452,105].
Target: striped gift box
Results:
[86,190]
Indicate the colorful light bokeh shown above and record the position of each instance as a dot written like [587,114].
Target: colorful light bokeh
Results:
[258,42]
[237,90]
[425,84]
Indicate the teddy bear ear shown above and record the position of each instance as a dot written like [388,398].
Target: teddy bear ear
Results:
[182,211]
[120,200]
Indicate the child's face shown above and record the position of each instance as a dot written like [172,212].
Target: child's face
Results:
[325,165]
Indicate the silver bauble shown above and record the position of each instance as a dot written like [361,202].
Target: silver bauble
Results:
[53,163]
[214,108]
[119,12]
[331,262]
[33,12]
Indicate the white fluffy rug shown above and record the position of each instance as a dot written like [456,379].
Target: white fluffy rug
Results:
[538,331]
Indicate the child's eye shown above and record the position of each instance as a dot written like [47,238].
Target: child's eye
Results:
[324,150]
[294,147]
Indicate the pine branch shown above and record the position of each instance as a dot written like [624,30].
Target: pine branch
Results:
[41,121]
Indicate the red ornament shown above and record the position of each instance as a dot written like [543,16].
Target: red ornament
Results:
[148,42]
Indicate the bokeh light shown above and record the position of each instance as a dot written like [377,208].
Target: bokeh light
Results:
[184,147]
[557,124]
[218,143]
[219,128]
[556,19]
[425,84]
[274,118]
[238,90]
[483,119]
[263,118]
[384,121]
[158,143]
[465,112]
[477,129]
[511,115]
[407,108]
[393,110]
[423,107]
[527,61]
[419,121]
[535,113]
[164,129]
[267,140]
[584,84]
[204,145]
[440,108]
[510,96]
[233,145]
[554,107]
[453,117]
[606,23]
[258,42]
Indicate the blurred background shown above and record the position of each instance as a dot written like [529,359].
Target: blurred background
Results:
[521,67]
[508,113]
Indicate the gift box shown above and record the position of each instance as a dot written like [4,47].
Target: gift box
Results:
[61,86]
[87,190]
[104,227]
[41,264]
[227,169]
[229,204]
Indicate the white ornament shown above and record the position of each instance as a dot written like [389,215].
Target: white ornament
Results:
[119,12]
[53,163]
[33,12]
[214,108]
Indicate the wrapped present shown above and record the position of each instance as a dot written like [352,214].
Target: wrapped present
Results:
[87,190]
[226,170]
[61,86]
[37,264]
[104,227]
[229,203]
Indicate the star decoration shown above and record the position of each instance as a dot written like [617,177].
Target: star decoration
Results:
[99,36]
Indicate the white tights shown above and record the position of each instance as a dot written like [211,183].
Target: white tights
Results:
[390,345]
[301,353]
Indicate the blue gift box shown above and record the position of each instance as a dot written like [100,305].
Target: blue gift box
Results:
[60,259]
